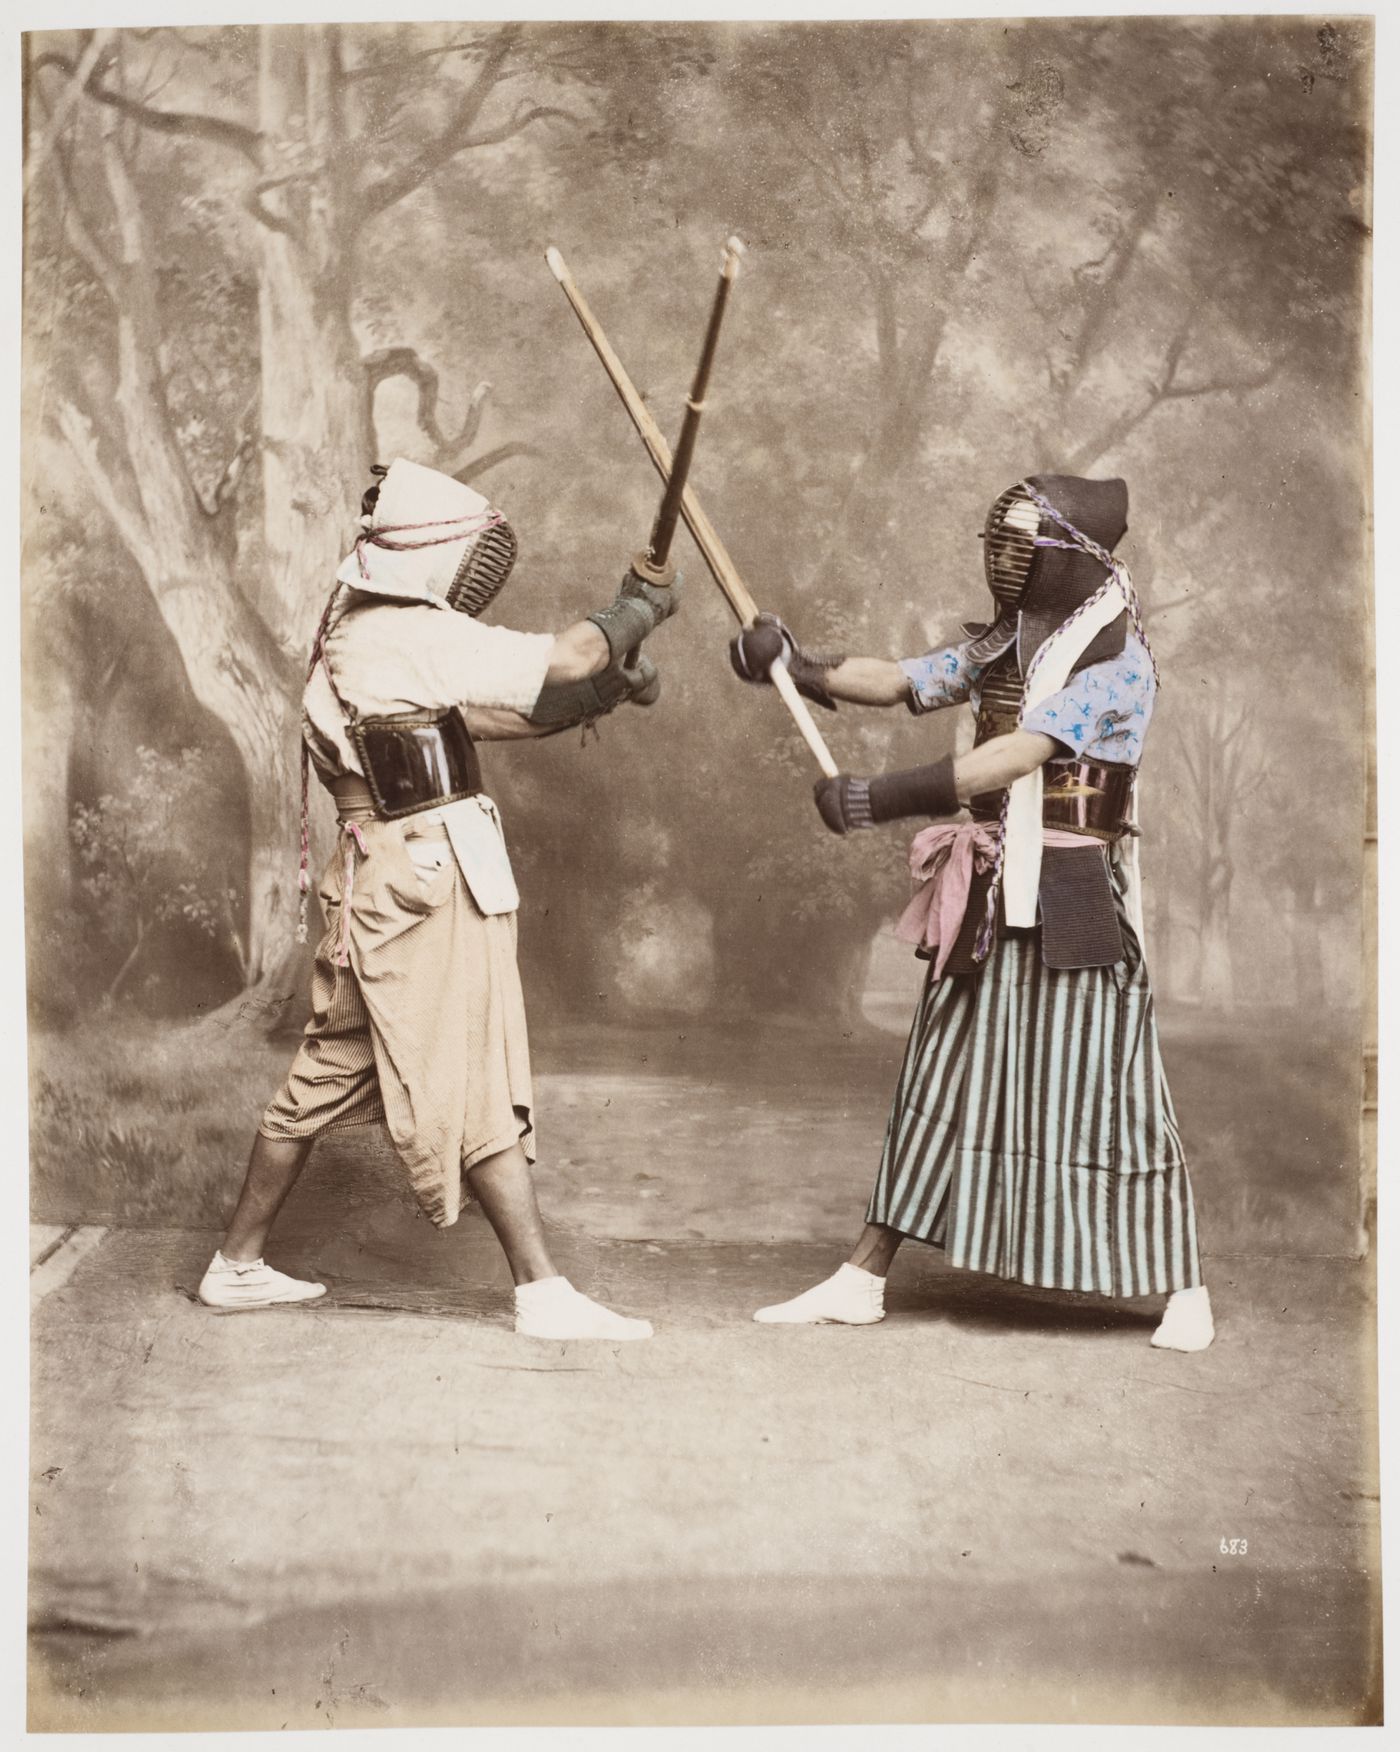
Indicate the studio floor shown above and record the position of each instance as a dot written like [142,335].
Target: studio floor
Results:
[386,1509]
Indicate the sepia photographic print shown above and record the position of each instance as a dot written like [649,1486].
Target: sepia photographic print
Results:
[699,894]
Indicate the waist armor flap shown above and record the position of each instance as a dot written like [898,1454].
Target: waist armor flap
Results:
[416,760]
[1080,796]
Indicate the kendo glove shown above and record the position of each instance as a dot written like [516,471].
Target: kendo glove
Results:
[644,680]
[563,704]
[846,804]
[638,609]
[767,642]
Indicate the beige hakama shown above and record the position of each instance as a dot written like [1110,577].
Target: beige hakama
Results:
[425,1027]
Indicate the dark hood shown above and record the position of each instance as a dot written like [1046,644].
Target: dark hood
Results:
[1063,579]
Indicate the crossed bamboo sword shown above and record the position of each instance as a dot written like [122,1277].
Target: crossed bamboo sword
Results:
[725,572]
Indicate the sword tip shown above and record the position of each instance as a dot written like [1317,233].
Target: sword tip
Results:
[734,252]
[556,262]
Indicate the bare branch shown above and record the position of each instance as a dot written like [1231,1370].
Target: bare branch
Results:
[155,451]
[377,69]
[1221,385]
[82,233]
[126,517]
[829,175]
[1121,252]
[393,186]
[406,362]
[471,425]
[136,256]
[920,157]
[1090,452]
[517,125]
[491,459]
[1231,734]
[1192,771]
[254,203]
[189,123]
[243,446]
[95,47]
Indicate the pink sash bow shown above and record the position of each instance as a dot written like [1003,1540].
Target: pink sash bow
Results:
[943,858]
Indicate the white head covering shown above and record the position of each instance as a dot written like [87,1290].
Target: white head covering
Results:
[423,526]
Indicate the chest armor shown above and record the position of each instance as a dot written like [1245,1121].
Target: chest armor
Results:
[411,760]
[1087,797]
[416,760]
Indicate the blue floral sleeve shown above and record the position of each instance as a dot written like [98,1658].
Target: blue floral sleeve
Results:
[1104,711]
[941,678]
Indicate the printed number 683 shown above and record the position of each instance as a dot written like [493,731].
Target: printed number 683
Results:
[1234,1547]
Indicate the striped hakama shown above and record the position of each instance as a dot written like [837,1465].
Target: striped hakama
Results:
[1032,1134]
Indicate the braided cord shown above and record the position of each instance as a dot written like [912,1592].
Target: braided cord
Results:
[1089,546]
[982,947]
[1117,572]
[461,528]
[318,646]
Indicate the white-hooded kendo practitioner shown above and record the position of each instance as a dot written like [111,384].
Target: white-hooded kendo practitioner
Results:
[1032,1134]
[417,1015]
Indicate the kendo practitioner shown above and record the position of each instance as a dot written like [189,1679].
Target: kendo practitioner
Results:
[1032,1134]
[417,1015]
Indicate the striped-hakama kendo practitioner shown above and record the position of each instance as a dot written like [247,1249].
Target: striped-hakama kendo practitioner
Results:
[417,1017]
[1032,1134]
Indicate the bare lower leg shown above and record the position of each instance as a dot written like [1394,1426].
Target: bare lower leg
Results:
[505,1190]
[875,1250]
[273,1168]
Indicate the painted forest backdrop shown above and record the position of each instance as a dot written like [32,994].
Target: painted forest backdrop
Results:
[260,258]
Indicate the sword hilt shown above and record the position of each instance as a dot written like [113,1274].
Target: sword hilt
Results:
[661,576]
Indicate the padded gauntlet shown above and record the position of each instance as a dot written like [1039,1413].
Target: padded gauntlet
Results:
[846,804]
[564,704]
[638,609]
[767,642]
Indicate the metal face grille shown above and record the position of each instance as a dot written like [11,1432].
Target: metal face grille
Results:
[1009,546]
[483,573]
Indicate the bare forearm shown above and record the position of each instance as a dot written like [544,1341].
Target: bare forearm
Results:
[999,762]
[868,681]
[497,724]
[579,651]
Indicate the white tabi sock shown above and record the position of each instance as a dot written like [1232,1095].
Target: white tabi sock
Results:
[234,1283]
[849,1297]
[1187,1324]
[552,1308]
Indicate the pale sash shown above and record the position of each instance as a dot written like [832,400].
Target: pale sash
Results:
[1020,880]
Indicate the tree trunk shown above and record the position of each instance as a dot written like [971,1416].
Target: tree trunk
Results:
[52,713]
[1217,979]
[313,380]
[243,637]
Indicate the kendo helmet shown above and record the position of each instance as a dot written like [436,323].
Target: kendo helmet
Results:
[1008,547]
[427,537]
[1038,573]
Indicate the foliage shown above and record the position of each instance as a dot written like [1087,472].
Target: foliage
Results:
[139,873]
[976,248]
